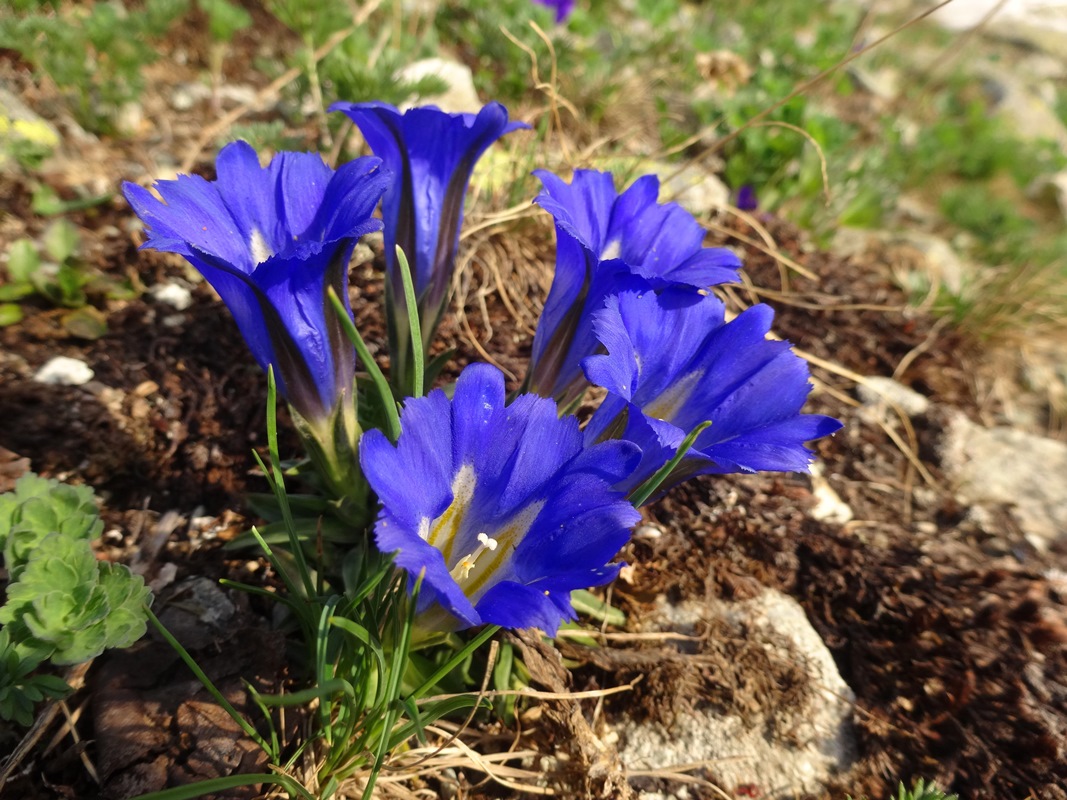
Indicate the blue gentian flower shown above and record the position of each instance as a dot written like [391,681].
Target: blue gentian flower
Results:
[271,240]
[502,508]
[432,154]
[673,362]
[608,242]
[563,8]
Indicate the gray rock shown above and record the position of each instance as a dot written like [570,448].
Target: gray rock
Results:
[828,507]
[19,122]
[1051,187]
[943,265]
[1022,108]
[461,96]
[787,752]
[1006,466]
[698,191]
[877,389]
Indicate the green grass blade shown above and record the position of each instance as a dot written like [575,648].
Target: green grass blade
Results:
[418,365]
[246,726]
[645,490]
[485,635]
[375,372]
[278,484]
[217,785]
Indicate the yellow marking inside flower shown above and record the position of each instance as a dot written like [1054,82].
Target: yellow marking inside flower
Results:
[441,532]
[478,578]
[612,249]
[667,405]
[257,244]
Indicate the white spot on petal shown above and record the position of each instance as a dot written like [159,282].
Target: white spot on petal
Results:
[258,246]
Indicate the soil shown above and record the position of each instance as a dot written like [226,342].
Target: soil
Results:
[953,639]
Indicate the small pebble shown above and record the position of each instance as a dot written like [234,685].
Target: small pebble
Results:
[63,371]
[173,294]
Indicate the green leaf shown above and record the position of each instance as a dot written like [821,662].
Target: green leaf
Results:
[127,598]
[85,323]
[10,313]
[23,261]
[60,240]
[225,19]
[587,603]
[16,291]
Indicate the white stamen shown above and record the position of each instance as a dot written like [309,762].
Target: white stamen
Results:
[612,249]
[468,562]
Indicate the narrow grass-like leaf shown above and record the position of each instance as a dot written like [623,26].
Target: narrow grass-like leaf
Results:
[216,785]
[458,658]
[278,484]
[589,604]
[375,372]
[190,662]
[321,692]
[645,490]
[414,326]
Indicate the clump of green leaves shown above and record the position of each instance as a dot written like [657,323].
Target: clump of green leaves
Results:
[95,53]
[20,687]
[54,271]
[62,606]
[921,790]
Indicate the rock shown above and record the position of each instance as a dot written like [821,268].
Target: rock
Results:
[1038,24]
[877,389]
[787,747]
[884,83]
[63,371]
[829,507]
[940,263]
[461,96]
[1023,110]
[130,118]
[20,125]
[1051,187]
[1003,465]
[173,294]
[199,612]
[698,191]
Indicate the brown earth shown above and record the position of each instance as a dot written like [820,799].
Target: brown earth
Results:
[952,639]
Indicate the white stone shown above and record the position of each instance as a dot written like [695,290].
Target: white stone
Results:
[738,751]
[1022,109]
[461,96]
[698,191]
[63,371]
[829,507]
[173,294]
[1006,466]
[879,389]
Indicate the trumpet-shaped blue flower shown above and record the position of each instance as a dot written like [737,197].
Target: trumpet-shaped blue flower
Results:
[608,242]
[673,362]
[503,507]
[432,154]
[271,241]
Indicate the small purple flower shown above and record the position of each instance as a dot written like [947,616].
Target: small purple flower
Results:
[607,242]
[673,362]
[432,154]
[563,8]
[271,240]
[503,507]
[746,198]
